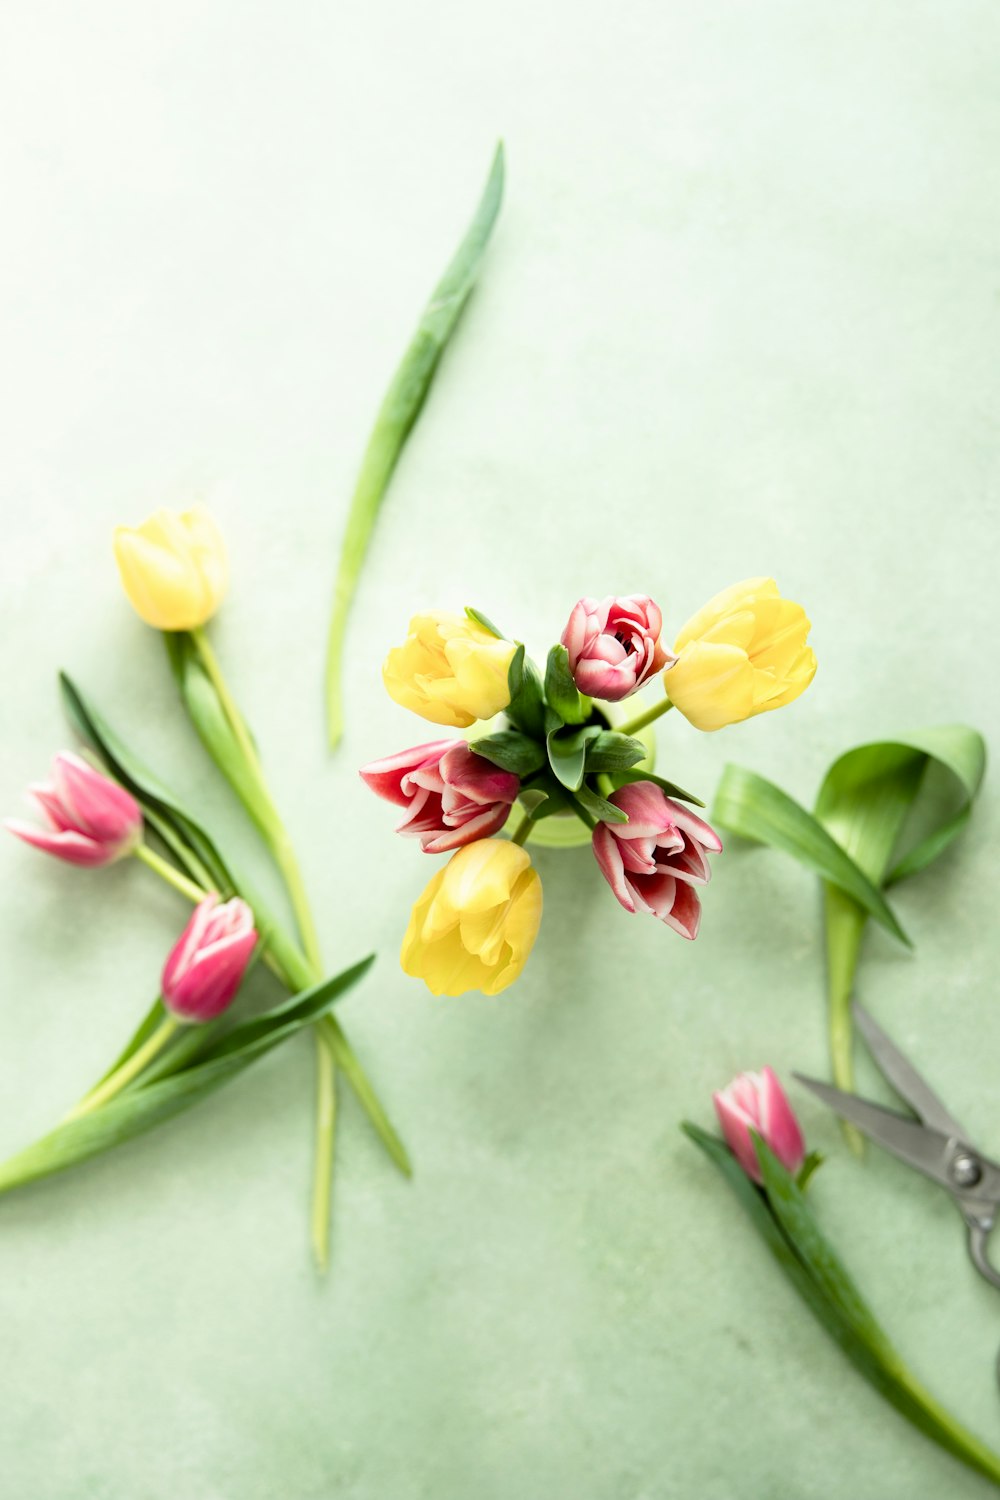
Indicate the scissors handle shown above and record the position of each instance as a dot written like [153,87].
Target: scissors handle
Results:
[979,1235]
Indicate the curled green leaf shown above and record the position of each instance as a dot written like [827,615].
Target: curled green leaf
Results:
[870,797]
[567,749]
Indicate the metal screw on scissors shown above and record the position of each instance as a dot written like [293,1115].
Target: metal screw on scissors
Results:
[935,1143]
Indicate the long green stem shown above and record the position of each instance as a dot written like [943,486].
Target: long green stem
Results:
[356,1076]
[632,726]
[326,1125]
[123,1076]
[278,839]
[170,874]
[524,832]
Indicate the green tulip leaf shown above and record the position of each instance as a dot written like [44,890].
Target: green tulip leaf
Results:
[511,751]
[187,840]
[142,1107]
[611,751]
[526,709]
[599,807]
[479,618]
[397,415]
[870,798]
[756,809]
[781,1216]
[193,849]
[631,778]
[561,692]
[567,750]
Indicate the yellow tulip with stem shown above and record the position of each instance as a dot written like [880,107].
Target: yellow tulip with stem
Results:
[174,571]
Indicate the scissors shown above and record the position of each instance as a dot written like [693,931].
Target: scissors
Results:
[935,1143]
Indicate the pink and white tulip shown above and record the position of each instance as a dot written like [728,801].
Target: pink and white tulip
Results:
[88,818]
[654,861]
[757,1102]
[208,961]
[614,645]
[452,796]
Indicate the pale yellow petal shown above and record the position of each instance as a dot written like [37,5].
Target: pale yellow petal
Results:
[729,601]
[712,685]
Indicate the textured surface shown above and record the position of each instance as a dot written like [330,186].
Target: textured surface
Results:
[740,316]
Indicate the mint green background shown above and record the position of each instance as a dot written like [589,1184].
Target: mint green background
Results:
[740,316]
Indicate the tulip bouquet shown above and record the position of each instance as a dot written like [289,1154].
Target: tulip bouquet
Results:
[96,812]
[554,745]
[762,1157]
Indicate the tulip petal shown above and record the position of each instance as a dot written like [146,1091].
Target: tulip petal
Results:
[778,1124]
[385,777]
[75,848]
[608,856]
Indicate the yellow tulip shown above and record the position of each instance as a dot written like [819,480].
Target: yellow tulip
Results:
[476,923]
[173,568]
[450,670]
[743,653]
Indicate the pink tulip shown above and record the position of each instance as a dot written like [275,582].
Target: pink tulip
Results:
[757,1102]
[452,796]
[654,861]
[90,819]
[209,959]
[614,645]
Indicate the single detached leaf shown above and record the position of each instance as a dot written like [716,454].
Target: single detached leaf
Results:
[629,778]
[816,1273]
[399,411]
[485,622]
[754,808]
[561,692]
[511,750]
[611,751]
[139,1109]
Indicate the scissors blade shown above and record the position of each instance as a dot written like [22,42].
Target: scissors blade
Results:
[918,1145]
[904,1077]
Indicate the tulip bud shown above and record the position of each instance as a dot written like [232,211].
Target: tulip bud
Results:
[743,653]
[452,796]
[614,645]
[209,959]
[476,922]
[90,819]
[173,568]
[654,861]
[757,1102]
[450,669]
